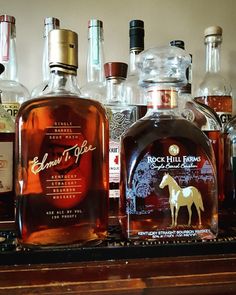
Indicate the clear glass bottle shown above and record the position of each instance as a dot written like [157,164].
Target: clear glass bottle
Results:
[7,191]
[13,93]
[121,116]
[133,92]
[230,172]
[62,156]
[50,23]
[168,172]
[208,121]
[95,86]
[215,90]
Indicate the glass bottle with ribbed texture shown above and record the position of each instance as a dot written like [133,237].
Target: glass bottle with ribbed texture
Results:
[62,179]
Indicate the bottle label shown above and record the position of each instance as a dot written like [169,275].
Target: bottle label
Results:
[63,164]
[162,99]
[114,161]
[175,189]
[11,108]
[224,117]
[6,166]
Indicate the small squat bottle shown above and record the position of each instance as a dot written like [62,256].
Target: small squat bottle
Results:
[62,158]
[121,116]
[168,171]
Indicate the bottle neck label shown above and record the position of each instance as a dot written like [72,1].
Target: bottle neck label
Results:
[162,99]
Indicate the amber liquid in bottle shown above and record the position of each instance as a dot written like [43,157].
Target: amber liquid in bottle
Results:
[146,214]
[62,187]
[222,105]
[7,198]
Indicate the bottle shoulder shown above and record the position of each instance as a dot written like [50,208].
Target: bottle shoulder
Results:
[13,91]
[94,90]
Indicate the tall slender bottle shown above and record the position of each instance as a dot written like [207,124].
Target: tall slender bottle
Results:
[95,85]
[13,93]
[7,191]
[50,23]
[208,121]
[62,180]
[121,116]
[133,92]
[168,173]
[215,90]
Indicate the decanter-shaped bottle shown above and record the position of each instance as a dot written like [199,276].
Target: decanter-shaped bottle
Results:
[13,92]
[62,158]
[135,94]
[121,116]
[208,121]
[230,171]
[215,90]
[50,23]
[95,85]
[168,172]
[7,191]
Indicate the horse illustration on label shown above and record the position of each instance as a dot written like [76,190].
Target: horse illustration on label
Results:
[179,197]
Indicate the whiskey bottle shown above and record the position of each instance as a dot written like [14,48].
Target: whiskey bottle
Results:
[168,172]
[208,121]
[215,90]
[133,92]
[7,194]
[95,85]
[13,93]
[62,158]
[50,23]
[230,172]
[121,116]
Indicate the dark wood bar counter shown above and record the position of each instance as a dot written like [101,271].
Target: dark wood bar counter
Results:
[122,267]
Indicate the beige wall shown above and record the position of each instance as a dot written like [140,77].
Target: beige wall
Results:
[164,20]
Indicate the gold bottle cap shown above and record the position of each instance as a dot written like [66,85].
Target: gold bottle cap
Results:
[63,50]
[213,30]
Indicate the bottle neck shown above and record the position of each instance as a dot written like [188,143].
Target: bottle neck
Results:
[8,51]
[115,90]
[213,46]
[45,65]
[133,56]
[62,82]
[95,58]
[162,99]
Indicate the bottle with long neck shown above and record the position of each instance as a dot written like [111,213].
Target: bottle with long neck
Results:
[50,23]
[95,85]
[121,116]
[215,90]
[167,163]
[13,93]
[133,92]
[62,158]
[208,121]
[7,191]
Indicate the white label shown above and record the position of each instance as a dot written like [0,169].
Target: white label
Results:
[114,161]
[6,166]
[224,117]
[114,193]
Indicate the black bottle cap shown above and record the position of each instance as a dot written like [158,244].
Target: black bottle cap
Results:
[178,43]
[136,34]
[115,69]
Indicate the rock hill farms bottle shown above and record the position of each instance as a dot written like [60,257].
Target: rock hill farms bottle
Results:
[168,169]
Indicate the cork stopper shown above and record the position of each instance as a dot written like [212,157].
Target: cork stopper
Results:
[115,69]
[63,49]
[213,30]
